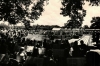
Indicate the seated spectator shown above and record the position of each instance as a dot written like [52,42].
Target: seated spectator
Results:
[49,53]
[21,56]
[66,45]
[45,43]
[3,47]
[62,45]
[49,46]
[35,52]
[83,48]
[66,53]
[38,44]
[56,45]
[76,50]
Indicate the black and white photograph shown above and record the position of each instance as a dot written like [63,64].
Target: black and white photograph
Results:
[49,33]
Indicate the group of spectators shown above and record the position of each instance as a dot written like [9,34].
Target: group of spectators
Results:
[11,42]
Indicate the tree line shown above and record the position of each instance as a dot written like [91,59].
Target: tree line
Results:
[15,11]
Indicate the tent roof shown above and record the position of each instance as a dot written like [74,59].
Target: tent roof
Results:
[56,29]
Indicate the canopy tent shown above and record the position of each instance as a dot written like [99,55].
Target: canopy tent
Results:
[86,38]
[96,50]
[56,29]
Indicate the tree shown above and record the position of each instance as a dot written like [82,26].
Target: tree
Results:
[74,9]
[27,24]
[86,27]
[14,11]
[72,24]
[95,23]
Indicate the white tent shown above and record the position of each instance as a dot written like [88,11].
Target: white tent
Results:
[56,29]
[86,38]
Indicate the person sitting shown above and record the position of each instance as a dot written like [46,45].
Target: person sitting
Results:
[62,45]
[35,52]
[38,45]
[45,43]
[21,56]
[83,48]
[76,50]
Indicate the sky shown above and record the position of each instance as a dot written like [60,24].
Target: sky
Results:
[51,14]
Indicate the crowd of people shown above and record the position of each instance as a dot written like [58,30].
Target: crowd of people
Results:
[12,41]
